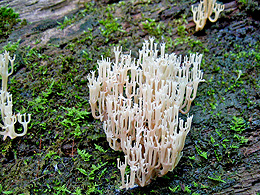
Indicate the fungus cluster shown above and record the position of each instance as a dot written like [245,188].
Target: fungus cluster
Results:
[204,11]
[139,101]
[6,104]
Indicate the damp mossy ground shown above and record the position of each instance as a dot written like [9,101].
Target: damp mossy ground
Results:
[65,150]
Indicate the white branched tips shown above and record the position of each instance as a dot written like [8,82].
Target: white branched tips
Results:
[6,105]
[204,11]
[139,101]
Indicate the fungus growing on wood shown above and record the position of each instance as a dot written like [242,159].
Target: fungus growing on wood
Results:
[204,11]
[139,101]
[6,105]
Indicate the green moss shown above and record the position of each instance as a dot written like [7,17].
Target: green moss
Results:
[153,28]
[111,26]
[9,20]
